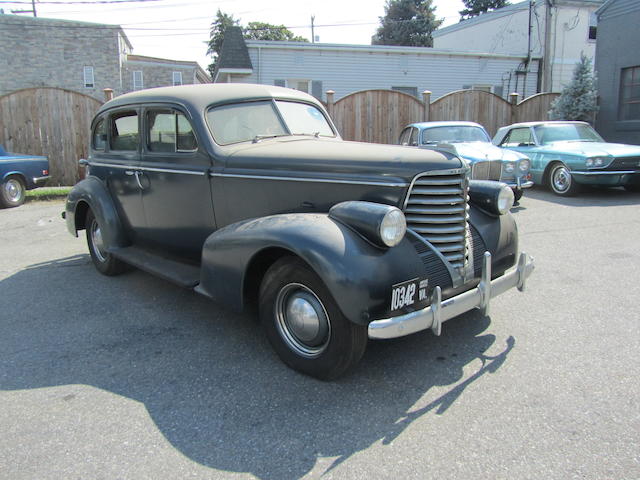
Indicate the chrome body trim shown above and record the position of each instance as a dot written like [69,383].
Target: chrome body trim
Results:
[440,311]
[146,169]
[308,179]
[519,184]
[604,172]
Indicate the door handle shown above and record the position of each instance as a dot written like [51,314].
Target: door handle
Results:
[137,174]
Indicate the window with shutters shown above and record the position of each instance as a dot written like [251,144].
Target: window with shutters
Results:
[88,77]
[138,82]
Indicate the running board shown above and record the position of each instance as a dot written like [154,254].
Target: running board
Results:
[182,274]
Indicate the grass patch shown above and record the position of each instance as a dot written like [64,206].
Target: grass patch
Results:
[47,193]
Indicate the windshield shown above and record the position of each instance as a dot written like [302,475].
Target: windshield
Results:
[566,132]
[457,134]
[252,121]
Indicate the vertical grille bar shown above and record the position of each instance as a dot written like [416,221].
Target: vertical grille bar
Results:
[436,209]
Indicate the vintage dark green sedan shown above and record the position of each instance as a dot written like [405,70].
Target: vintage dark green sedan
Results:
[247,194]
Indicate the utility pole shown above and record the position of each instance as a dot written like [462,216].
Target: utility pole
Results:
[313,36]
[547,60]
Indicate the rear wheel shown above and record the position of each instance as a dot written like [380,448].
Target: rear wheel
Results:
[104,261]
[12,192]
[561,181]
[304,324]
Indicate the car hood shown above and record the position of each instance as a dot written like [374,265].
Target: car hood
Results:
[479,151]
[337,159]
[593,149]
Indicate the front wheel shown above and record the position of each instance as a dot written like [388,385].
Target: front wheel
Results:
[104,261]
[12,192]
[304,324]
[561,181]
[517,195]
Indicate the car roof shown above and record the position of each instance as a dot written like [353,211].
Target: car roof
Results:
[202,95]
[549,122]
[424,125]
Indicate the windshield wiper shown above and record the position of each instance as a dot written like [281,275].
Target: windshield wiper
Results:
[314,134]
[257,138]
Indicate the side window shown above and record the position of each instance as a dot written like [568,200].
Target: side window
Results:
[169,131]
[404,136]
[124,131]
[413,140]
[518,137]
[99,137]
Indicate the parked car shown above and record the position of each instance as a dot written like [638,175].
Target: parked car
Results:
[19,173]
[247,194]
[471,141]
[567,155]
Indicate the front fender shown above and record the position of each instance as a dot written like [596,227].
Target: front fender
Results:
[91,193]
[358,274]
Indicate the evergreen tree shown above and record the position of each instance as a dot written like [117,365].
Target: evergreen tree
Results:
[266,31]
[216,36]
[476,7]
[579,99]
[407,22]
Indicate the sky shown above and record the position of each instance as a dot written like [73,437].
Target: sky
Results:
[179,29]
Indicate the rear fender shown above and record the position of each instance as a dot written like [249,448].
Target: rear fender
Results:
[358,274]
[91,193]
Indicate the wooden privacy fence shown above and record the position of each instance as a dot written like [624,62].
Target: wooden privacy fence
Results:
[52,122]
[378,116]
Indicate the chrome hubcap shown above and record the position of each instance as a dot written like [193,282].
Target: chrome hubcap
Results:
[302,320]
[561,179]
[97,242]
[14,191]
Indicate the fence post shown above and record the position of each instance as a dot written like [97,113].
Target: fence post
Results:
[426,104]
[513,100]
[330,94]
[108,94]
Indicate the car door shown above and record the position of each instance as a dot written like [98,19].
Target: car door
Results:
[175,186]
[114,158]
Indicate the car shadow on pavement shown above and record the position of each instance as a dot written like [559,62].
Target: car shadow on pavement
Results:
[588,197]
[209,379]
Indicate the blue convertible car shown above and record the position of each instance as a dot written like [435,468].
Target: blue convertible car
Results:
[567,155]
[19,173]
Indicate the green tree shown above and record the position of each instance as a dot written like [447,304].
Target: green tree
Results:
[476,7]
[267,31]
[407,22]
[579,99]
[216,36]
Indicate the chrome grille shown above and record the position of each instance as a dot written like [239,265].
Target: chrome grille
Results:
[436,209]
[626,163]
[487,170]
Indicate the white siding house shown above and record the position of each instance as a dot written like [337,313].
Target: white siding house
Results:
[316,68]
[559,33]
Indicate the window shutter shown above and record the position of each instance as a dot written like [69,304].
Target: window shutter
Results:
[280,83]
[316,89]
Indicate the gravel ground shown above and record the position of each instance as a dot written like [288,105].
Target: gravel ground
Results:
[132,378]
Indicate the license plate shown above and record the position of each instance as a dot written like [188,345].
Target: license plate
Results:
[404,294]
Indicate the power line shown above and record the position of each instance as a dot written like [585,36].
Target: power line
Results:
[79,2]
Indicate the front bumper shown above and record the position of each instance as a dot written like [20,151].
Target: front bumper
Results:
[440,311]
[607,178]
[520,184]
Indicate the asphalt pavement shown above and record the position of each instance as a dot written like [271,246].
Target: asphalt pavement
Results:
[130,377]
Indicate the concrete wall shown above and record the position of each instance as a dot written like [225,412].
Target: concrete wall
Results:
[38,52]
[618,42]
[349,68]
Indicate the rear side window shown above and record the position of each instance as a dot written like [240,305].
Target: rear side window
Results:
[124,131]
[518,137]
[99,138]
[169,131]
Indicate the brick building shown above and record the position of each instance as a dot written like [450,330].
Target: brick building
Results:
[81,56]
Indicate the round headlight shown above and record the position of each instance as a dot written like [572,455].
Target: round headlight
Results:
[505,200]
[590,162]
[509,167]
[393,227]
[524,165]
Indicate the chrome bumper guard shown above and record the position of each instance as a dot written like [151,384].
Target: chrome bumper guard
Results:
[440,311]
